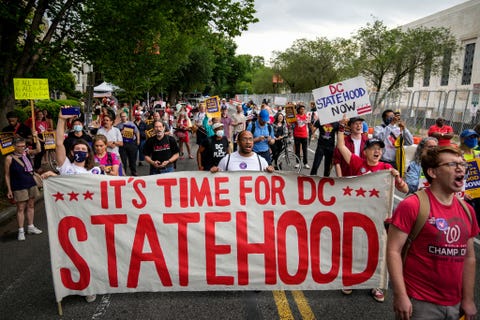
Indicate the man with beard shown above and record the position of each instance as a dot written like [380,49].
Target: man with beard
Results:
[161,150]
[435,279]
[244,159]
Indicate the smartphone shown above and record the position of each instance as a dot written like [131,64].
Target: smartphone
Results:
[75,110]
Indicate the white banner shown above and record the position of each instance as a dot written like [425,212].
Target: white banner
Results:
[348,97]
[189,231]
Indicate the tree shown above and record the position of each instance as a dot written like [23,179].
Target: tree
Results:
[388,56]
[307,65]
[29,31]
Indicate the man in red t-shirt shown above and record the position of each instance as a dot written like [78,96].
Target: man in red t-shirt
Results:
[372,152]
[441,131]
[437,278]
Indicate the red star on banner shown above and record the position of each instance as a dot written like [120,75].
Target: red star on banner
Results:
[88,195]
[58,196]
[73,196]
[360,192]
[374,193]
[347,191]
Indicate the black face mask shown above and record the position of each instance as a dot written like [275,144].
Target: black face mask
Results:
[314,109]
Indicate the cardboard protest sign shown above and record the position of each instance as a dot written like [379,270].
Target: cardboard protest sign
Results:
[196,231]
[472,184]
[348,97]
[49,138]
[6,142]
[212,105]
[290,113]
[128,133]
[30,89]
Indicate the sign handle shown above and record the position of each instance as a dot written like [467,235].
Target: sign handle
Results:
[33,119]
[59,308]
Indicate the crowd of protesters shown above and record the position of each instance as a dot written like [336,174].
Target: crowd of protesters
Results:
[247,136]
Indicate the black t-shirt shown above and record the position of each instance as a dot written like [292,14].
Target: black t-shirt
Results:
[214,151]
[161,150]
[327,133]
[23,130]
[72,138]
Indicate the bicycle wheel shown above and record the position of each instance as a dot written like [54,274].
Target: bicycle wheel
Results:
[51,160]
[288,161]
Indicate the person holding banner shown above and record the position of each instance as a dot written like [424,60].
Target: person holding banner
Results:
[371,163]
[21,186]
[244,159]
[80,160]
[435,278]
[392,128]
[161,150]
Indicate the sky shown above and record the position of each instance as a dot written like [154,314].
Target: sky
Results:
[284,21]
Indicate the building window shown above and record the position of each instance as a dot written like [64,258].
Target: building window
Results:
[447,60]
[427,70]
[468,63]
[411,78]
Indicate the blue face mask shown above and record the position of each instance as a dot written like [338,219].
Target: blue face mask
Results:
[79,156]
[388,120]
[471,142]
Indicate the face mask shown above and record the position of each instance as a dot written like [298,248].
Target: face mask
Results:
[388,120]
[471,142]
[79,156]
[77,127]
[219,133]
[314,109]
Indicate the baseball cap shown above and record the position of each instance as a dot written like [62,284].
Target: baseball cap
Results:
[355,119]
[217,125]
[264,115]
[374,141]
[468,133]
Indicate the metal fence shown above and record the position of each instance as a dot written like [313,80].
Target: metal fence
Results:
[419,108]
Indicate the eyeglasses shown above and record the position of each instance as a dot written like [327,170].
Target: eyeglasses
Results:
[453,164]
[18,146]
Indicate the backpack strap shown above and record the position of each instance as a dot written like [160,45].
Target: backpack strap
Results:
[109,158]
[253,128]
[423,211]
[259,162]
[465,208]
[228,161]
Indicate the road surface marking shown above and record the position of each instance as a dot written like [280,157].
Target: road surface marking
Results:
[282,305]
[303,305]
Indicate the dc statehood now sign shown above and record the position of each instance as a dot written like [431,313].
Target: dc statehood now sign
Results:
[348,97]
[191,231]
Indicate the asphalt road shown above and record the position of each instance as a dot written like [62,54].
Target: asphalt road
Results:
[26,290]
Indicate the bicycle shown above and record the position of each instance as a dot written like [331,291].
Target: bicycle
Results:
[287,160]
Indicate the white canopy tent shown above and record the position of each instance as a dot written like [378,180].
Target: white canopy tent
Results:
[104,89]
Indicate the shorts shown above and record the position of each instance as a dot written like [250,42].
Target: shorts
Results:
[25,194]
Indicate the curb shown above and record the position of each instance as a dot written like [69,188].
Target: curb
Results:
[9,212]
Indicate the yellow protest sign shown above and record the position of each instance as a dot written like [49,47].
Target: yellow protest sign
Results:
[213,107]
[30,89]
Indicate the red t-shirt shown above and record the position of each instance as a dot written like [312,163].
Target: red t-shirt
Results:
[359,166]
[434,265]
[301,128]
[444,129]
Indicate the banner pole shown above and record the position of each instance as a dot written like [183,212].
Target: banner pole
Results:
[59,307]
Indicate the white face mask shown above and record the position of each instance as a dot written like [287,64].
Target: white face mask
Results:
[219,133]
[78,127]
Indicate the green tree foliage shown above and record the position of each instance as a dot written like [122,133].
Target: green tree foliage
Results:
[387,56]
[307,65]
[262,81]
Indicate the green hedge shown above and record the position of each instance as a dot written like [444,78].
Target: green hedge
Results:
[52,106]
